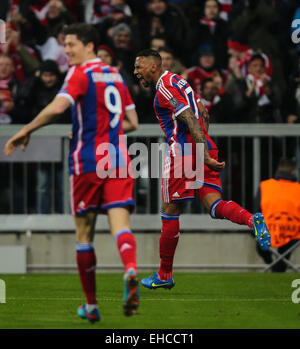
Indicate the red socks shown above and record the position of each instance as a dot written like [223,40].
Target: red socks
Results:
[231,211]
[86,263]
[127,247]
[167,244]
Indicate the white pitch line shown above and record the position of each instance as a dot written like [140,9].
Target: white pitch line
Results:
[162,299]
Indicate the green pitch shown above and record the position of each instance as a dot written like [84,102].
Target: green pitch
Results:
[198,301]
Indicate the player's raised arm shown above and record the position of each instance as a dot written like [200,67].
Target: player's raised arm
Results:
[189,118]
[45,117]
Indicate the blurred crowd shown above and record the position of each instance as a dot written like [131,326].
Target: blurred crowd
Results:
[237,54]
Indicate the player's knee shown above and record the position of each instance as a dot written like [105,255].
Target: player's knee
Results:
[213,209]
[171,208]
[85,228]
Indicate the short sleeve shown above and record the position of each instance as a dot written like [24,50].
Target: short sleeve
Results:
[75,85]
[173,99]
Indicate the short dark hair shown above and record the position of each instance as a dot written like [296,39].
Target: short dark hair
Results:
[205,81]
[257,56]
[86,33]
[158,36]
[167,50]
[149,53]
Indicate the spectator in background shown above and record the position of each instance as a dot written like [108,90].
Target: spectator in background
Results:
[114,11]
[24,58]
[213,30]
[256,98]
[123,46]
[163,18]
[158,42]
[170,63]
[240,54]
[36,94]
[217,102]
[259,23]
[206,68]
[279,202]
[37,91]
[107,55]
[108,15]
[57,16]
[38,22]
[54,49]
[9,86]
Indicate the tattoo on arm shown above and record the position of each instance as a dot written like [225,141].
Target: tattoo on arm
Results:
[205,115]
[205,119]
[189,118]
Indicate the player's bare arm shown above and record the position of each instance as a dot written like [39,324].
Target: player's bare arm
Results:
[45,117]
[205,114]
[130,122]
[189,118]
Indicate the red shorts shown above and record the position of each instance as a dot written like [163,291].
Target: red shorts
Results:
[176,189]
[89,192]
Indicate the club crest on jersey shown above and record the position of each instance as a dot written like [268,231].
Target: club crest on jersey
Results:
[173,102]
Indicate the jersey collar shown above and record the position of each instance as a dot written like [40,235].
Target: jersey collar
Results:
[158,81]
[94,60]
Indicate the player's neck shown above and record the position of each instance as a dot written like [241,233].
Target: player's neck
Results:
[89,58]
[157,75]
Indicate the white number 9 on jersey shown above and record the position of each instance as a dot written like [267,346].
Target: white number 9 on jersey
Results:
[113,103]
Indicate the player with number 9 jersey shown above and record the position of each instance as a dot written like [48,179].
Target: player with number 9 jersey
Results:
[99,98]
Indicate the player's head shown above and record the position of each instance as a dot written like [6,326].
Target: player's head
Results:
[147,67]
[81,42]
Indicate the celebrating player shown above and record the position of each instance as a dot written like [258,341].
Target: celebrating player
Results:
[99,99]
[184,120]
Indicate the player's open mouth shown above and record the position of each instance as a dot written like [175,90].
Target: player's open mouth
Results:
[139,77]
[142,80]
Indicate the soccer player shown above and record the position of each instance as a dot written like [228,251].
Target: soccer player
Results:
[184,120]
[99,100]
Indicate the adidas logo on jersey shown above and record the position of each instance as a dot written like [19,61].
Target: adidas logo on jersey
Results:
[176,195]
